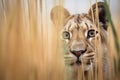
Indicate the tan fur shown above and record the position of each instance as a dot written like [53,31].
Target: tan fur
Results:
[78,26]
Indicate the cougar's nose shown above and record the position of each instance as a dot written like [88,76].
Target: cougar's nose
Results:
[78,53]
[78,47]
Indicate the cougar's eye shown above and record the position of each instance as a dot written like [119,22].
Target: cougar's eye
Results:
[91,33]
[66,35]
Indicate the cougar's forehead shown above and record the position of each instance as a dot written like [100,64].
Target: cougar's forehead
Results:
[81,21]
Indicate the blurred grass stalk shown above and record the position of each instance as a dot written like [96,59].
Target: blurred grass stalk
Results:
[112,26]
[116,40]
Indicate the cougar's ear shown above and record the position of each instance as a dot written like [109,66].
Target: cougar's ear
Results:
[59,14]
[101,13]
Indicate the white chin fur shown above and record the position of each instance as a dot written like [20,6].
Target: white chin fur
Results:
[87,67]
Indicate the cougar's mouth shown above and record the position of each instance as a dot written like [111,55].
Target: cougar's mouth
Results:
[78,62]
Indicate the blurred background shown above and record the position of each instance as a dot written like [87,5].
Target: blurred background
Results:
[30,44]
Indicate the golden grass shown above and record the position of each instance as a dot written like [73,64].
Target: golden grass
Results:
[30,47]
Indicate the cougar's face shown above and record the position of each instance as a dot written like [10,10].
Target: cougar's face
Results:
[80,34]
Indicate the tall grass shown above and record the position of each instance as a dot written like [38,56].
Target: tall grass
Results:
[30,46]
[116,39]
